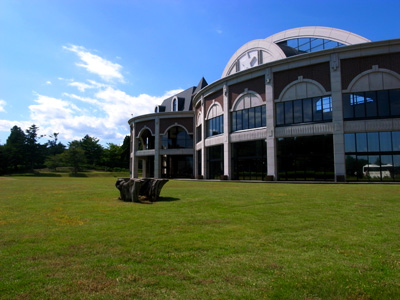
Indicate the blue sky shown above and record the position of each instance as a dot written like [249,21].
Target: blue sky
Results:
[80,67]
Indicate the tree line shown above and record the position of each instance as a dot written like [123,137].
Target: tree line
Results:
[22,152]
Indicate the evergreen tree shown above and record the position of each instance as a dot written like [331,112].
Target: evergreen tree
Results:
[74,156]
[15,149]
[35,152]
[93,150]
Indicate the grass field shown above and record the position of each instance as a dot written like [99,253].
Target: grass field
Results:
[71,238]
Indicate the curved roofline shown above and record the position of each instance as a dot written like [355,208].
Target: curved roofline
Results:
[330,33]
[270,46]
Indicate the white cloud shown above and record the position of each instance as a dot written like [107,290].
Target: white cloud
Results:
[81,86]
[2,104]
[105,115]
[96,64]
[48,82]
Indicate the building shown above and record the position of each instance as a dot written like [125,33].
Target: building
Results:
[310,103]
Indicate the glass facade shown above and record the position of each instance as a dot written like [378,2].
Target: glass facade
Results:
[249,160]
[305,158]
[215,126]
[311,110]
[373,156]
[371,105]
[215,161]
[249,118]
[305,45]
[176,138]
[177,166]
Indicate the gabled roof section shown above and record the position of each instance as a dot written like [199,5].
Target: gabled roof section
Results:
[203,83]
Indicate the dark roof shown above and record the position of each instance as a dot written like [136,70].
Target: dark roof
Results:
[203,83]
[289,51]
[184,98]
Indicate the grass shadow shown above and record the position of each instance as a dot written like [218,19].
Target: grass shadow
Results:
[77,175]
[167,199]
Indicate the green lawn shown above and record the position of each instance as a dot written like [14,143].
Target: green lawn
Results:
[71,238]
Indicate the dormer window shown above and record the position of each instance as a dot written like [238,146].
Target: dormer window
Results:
[175,104]
[157,109]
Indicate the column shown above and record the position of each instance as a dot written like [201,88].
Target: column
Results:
[337,118]
[157,163]
[227,126]
[203,139]
[270,140]
[134,162]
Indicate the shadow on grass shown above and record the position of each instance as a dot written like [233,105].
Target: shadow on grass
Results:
[167,199]
[77,175]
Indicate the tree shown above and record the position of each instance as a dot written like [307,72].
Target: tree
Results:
[3,160]
[112,155]
[15,148]
[35,152]
[53,146]
[93,150]
[126,151]
[74,156]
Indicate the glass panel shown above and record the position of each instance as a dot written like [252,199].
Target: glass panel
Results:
[362,164]
[383,103]
[394,96]
[385,139]
[257,116]
[387,167]
[371,107]
[349,142]
[327,108]
[245,119]
[347,107]
[304,44]
[396,167]
[251,117]
[317,109]
[359,105]
[351,167]
[294,43]
[298,111]
[239,121]
[396,140]
[307,110]
[373,142]
[264,115]
[361,140]
[288,112]
[280,116]
[234,116]
[373,170]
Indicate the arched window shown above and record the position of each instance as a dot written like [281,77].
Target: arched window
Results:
[146,140]
[215,120]
[177,138]
[175,104]
[248,112]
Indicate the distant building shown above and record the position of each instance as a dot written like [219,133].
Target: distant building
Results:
[310,103]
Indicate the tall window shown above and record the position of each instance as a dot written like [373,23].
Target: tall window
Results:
[311,110]
[175,104]
[215,126]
